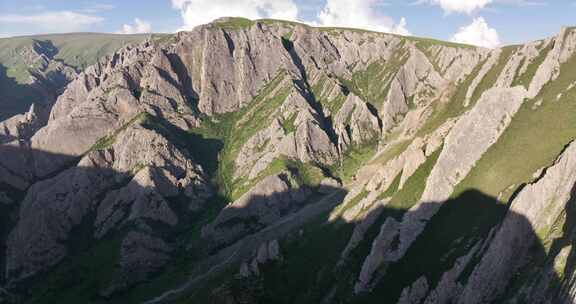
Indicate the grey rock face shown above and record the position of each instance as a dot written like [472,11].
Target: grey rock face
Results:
[138,200]
[490,62]
[416,82]
[140,255]
[415,293]
[16,165]
[355,124]
[407,162]
[478,129]
[328,184]
[267,202]
[47,214]
[242,61]
[20,126]
[307,142]
[449,288]
[534,209]
[360,230]
[55,206]
[564,46]
[470,137]
[456,62]
[180,79]
[380,246]
[266,253]
[46,76]
[94,105]
[516,63]
[260,150]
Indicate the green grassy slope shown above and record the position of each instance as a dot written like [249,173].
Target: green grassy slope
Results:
[78,50]
[535,137]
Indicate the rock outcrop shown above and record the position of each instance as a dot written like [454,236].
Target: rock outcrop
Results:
[470,137]
[535,209]
[266,203]
[267,252]
[149,165]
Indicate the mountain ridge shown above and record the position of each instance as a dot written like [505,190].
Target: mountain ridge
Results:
[170,154]
[251,21]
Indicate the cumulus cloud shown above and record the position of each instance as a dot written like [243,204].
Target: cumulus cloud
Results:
[359,14]
[461,6]
[343,13]
[57,21]
[400,28]
[196,12]
[139,27]
[477,33]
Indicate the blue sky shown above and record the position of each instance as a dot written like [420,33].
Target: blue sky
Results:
[487,23]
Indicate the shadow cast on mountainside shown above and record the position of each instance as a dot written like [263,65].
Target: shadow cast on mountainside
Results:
[311,246]
[311,270]
[15,98]
[72,185]
[203,150]
[459,225]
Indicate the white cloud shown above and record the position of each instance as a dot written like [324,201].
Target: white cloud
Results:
[139,27]
[461,6]
[344,13]
[359,14]
[58,21]
[196,12]
[477,33]
[400,28]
